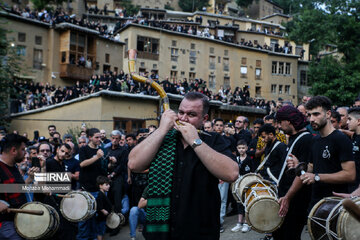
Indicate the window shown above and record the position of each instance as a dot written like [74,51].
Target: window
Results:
[255,42]
[107,58]
[212,81]
[280,89]
[21,37]
[174,54]
[258,63]
[243,61]
[116,69]
[303,78]
[287,89]
[128,125]
[288,68]
[173,43]
[273,88]
[212,62]
[126,46]
[226,64]
[212,50]
[274,67]
[38,40]
[192,75]
[243,71]
[173,74]
[192,46]
[219,59]
[182,74]
[257,91]
[281,68]
[81,46]
[21,50]
[258,73]
[192,58]
[154,66]
[148,47]
[226,52]
[226,82]
[37,58]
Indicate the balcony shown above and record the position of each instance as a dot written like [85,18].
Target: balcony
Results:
[74,72]
[148,55]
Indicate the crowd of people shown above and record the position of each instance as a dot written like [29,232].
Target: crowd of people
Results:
[29,95]
[116,172]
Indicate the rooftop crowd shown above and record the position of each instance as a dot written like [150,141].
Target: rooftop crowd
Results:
[29,95]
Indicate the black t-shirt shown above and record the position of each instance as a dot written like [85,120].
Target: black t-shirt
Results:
[54,166]
[89,173]
[121,155]
[246,166]
[72,165]
[102,202]
[243,135]
[301,151]
[275,160]
[195,198]
[11,175]
[356,153]
[327,154]
[232,141]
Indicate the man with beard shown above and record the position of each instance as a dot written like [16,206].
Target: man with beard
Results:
[343,111]
[331,165]
[13,151]
[294,197]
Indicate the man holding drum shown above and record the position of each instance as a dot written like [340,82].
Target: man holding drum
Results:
[13,151]
[331,165]
[184,171]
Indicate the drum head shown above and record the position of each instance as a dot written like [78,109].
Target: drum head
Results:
[76,208]
[113,220]
[33,226]
[262,215]
[234,188]
[348,228]
[244,182]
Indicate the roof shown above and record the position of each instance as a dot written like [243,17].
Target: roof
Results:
[276,14]
[26,20]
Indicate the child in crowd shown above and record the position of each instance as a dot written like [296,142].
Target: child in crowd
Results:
[245,166]
[103,205]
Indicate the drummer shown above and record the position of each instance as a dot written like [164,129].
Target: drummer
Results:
[13,151]
[331,165]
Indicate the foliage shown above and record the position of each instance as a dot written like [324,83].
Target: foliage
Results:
[192,5]
[131,9]
[10,66]
[169,7]
[244,3]
[75,131]
[46,4]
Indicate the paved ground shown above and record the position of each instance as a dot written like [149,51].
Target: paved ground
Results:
[227,235]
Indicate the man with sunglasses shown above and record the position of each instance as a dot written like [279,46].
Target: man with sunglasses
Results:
[241,133]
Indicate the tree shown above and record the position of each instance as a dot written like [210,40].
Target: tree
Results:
[244,3]
[129,7]
[192,5]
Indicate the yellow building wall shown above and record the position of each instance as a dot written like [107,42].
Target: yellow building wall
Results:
[114,49]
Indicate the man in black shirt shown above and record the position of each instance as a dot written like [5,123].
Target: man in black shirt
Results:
[294,197]
[274,153]
[354,126]
[199,163]
[240,132]
[13,151]
[331,166]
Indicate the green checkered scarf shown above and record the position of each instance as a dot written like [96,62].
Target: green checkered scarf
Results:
[160,182]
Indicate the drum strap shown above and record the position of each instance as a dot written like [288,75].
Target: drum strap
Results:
[287,155]
[266,157]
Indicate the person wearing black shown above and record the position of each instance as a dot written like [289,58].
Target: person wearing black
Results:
[294,198]
[354,126]
[257,124]
[274,153]
[240,131]
[331,166]
[92,165]
[12,152]
[199,163]
[103,206]
[67,230]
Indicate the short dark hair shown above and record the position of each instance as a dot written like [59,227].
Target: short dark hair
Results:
[267,128]
[319,101]
[258,121]
[218,120]
[241,142]
[336,115]
[33,148]
[131,135]
[51,126]
[192,96]
[355,111]
[43,143]
[100,180]
[270,117]
[67,146]
[93,131]
[12,140]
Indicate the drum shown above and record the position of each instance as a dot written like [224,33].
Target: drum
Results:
[262,207]
[329,220]
[244,182]
[34,226]
[114,220]
[80,207]
[234,191]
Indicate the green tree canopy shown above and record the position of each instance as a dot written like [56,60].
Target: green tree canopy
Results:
[193,5]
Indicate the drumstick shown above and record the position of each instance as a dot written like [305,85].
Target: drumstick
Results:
[352,208]
[64,196]
[27,211]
